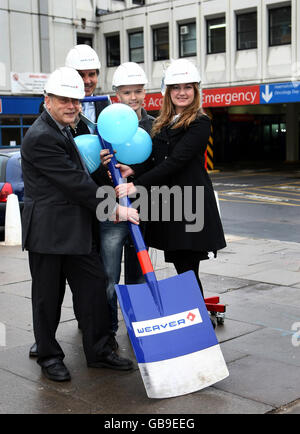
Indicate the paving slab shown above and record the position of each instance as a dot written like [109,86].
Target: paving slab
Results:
[22,396]
[17,311]
[263,380]
[13,269]
[256,341]
[15,337]
[254,309]
[267,343]
[22,288]
[133,400]
[275,276]
[214,284]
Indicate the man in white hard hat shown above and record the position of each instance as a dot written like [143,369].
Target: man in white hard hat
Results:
[85,60]
[128,82]
[59,231]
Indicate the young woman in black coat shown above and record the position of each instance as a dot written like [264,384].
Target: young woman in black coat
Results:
[180,136]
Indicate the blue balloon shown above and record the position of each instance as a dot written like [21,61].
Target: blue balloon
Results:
[136,150]
[117,123]
[89,148]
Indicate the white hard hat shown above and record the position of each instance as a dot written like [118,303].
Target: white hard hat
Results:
[82,57]
[128,73]
[181,71]
[65,82]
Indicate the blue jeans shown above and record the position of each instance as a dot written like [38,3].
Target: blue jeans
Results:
[113,238]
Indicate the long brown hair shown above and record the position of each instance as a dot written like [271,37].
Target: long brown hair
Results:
[167,112]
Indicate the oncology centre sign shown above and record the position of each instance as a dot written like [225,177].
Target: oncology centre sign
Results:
[237,96]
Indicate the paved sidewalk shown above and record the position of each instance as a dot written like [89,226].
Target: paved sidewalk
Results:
[258,279]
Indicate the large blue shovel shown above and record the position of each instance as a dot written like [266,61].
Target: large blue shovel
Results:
[168,324]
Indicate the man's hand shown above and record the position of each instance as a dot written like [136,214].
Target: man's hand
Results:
[125,189]
[127,214]
[106,157]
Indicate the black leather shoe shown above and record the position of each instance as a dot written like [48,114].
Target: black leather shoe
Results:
[33,350]
[56,371]
[112,361]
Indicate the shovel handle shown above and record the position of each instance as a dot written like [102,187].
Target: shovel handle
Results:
[96,98]
[136,235]
[135,231]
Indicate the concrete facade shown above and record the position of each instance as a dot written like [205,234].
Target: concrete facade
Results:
[37,34]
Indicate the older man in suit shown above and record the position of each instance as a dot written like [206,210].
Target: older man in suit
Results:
[86,61]
[60,233]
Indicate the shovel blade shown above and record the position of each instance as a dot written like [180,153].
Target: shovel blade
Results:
[177,353]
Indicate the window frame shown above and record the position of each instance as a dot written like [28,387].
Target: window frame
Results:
[208,39]
[180,25]
[87,37]
[22,126]
[154,30]
[272,10]
[107,38]
[142,46]
[239,15]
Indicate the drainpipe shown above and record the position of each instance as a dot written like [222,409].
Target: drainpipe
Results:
[44,36]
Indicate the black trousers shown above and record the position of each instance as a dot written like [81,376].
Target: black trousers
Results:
[186,260]
[87,280]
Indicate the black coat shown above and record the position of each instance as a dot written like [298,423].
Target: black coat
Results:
[60,196]
[177,159]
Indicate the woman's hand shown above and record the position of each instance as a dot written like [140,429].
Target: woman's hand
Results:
[127,214]
[125,170]
[125,189]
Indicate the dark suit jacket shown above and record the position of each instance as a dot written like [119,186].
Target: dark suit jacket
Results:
[60,197]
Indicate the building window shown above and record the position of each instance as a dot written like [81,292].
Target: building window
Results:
[187,40]
[246,25]
[161,43]
[280,26]
[85,39]
[138,2]
[113,50]
[136,47]
[216,36]
[13,128]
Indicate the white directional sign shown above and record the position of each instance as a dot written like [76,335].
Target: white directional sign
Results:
[280,92]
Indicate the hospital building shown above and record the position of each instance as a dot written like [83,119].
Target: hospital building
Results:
[247,52]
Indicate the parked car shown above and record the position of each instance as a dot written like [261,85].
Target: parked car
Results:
[11,181]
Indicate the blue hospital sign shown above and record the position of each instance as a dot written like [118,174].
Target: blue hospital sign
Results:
[280,93]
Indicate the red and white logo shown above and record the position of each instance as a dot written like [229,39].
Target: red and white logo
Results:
[191,316]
